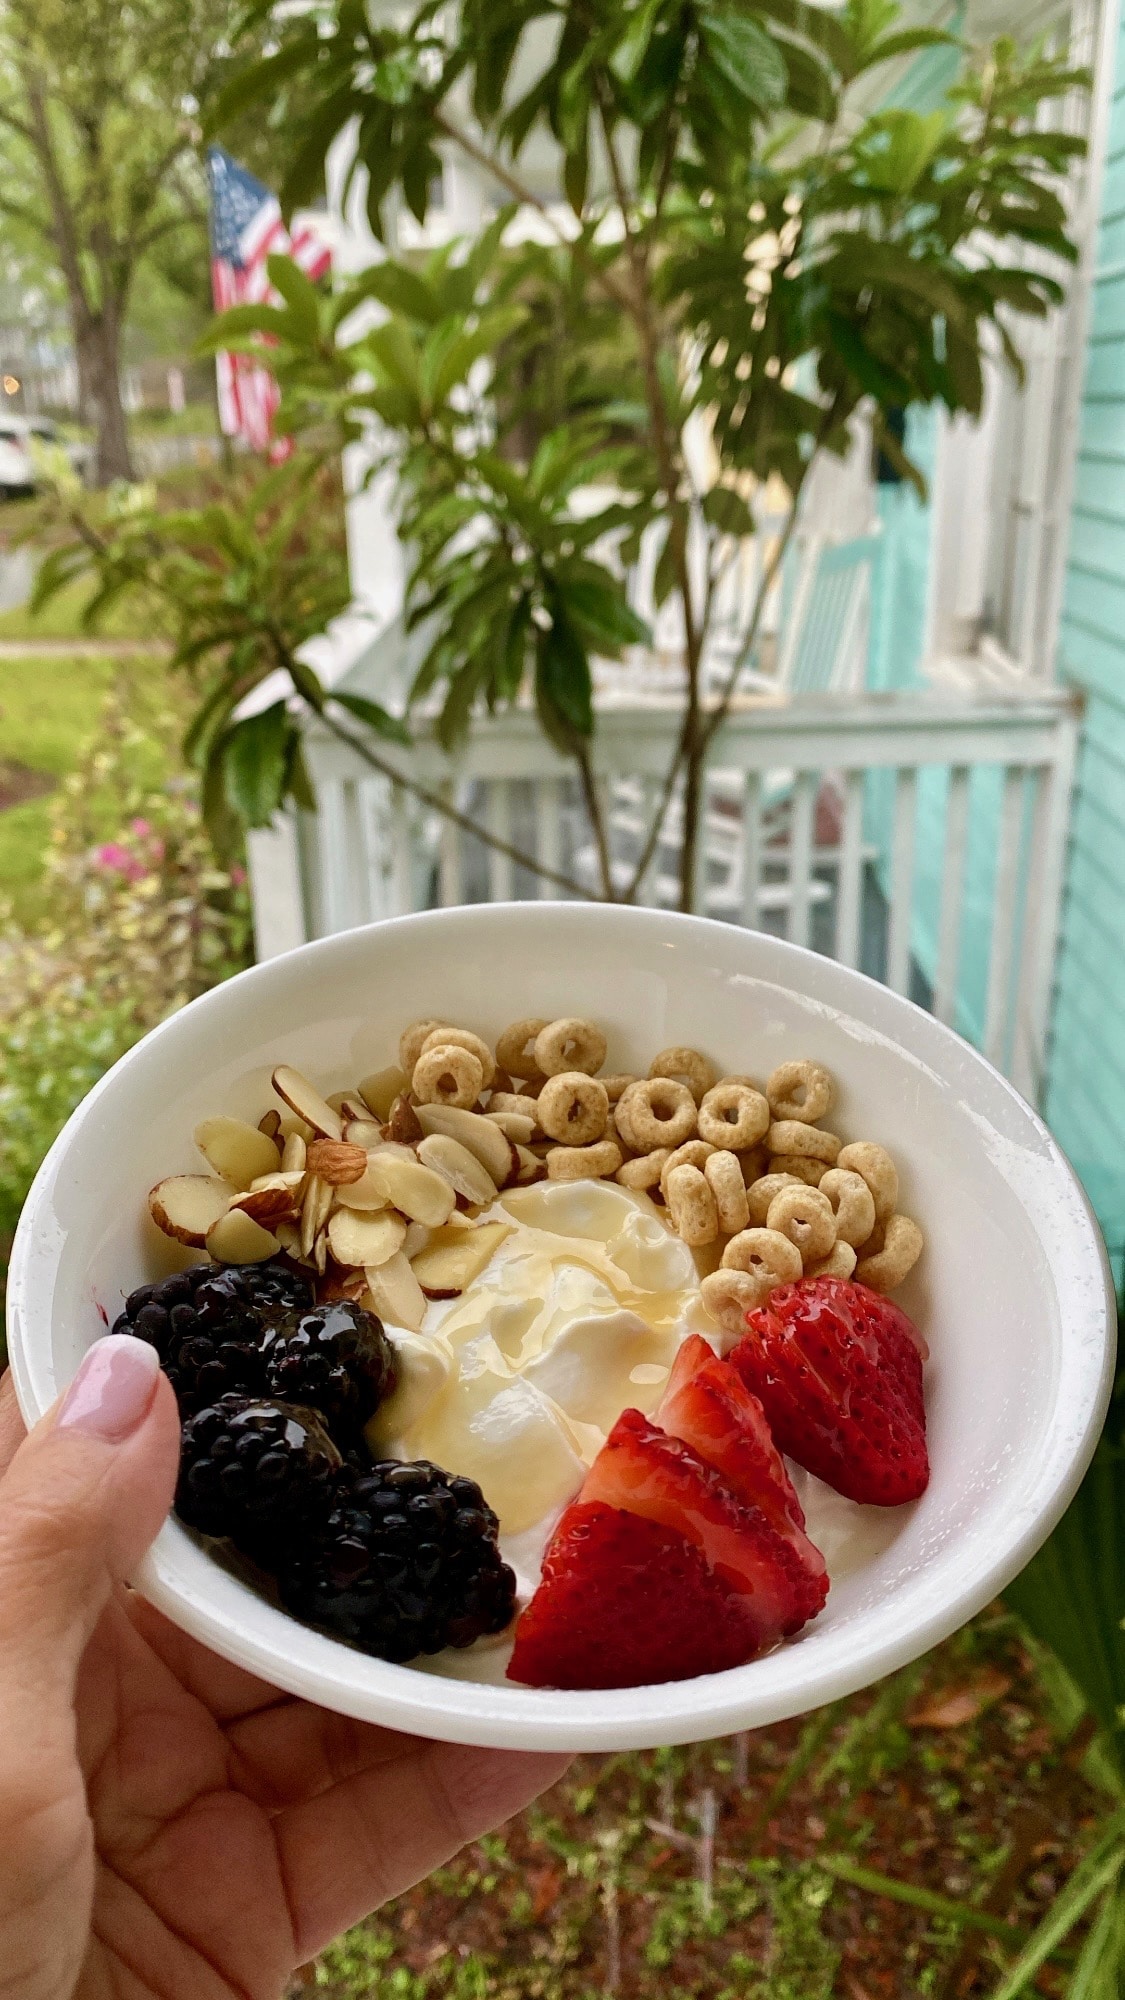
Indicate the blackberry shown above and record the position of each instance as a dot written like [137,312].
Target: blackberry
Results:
[207,1325]
[261,1473]
[336,1358]
[406,1563]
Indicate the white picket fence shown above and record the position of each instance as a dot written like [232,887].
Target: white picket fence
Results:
[920,838]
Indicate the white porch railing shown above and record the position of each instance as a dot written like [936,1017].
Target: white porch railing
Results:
[919,838]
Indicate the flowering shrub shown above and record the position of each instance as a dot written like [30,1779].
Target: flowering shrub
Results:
[133,927]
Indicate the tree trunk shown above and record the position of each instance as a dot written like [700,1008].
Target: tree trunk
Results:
[97,340]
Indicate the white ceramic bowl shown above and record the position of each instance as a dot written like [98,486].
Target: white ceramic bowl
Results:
[1013,1292]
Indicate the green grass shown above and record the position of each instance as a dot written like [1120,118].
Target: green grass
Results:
[62,619]
[49,710]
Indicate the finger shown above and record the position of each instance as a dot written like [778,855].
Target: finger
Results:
[82,1499]
[376,1834]
[13,1430]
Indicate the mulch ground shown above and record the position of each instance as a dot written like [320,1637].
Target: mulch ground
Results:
[716,1871]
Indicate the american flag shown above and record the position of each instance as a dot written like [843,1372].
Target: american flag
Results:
[246,228]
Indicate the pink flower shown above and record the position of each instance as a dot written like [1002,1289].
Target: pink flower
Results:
[238,876]
[117,860]
[141,827]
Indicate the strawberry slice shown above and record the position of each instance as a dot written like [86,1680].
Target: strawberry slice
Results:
[709,1407]
[838,1372]
[626,1602]
[683,1579]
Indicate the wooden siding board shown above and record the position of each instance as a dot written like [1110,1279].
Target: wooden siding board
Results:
[1099,485]
[1085,1087]
[1091,658]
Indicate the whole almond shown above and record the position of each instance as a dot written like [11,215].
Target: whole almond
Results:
[402,1124]
[337,1162]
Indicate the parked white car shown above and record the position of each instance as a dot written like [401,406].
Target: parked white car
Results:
[20,472]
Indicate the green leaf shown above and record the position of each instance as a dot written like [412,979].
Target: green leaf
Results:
[375,716]
[746,56]
[307,684]
[400,290]
[906,41]
[1097,1871]
[726,510]
[453,367]
[260,80]
[298,784]
[601,613]
[210,718]
[255,759]
[513,660]
[300,296]
[394,355]
[564,695]
[1072,1594]
[233,326]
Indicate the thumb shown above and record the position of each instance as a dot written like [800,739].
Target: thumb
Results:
[83,1498]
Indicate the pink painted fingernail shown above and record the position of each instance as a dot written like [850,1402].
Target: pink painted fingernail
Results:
[113,1389]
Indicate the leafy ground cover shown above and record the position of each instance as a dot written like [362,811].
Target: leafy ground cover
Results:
[899,1844]
[49,711]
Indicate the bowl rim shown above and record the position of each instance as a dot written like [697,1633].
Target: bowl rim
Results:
[456,1710]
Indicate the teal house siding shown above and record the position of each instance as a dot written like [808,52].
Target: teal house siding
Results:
[1085,1085]
[900,600]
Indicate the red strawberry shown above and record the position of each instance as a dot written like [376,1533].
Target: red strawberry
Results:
[683,1578]
[625,1602]
[839,1375]
[708,1405]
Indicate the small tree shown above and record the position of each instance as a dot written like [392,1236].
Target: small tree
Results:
[726,252]
[99,160]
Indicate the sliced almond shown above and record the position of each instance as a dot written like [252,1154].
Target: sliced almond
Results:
[513,1125]
[363,1132]
[294,1127]
[320,1253]
[395,1293]
[364,1239]
[270,1124]
[289,1236]
[267,1205]
[334,1161]
[297,1092]
[531,1167]
[416,1238]
[402,1122]
[314,1212]
[482,1136]
[235,1150]
[379,1090]
[294,1154]
[237,1239]
[462,1169]
[415,1190]
[454,1257]
[336,1099]
[293,1180]
[353,1107]
[186,1206]
[366,1194]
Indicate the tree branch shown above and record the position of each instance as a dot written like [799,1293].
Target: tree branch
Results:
[527,197]
[449,811]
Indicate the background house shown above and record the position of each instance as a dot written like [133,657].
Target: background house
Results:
[1000,592]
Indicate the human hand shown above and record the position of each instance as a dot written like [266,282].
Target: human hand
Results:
[171,1827]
